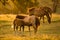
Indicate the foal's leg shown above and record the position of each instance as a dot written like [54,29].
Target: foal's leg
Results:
[29,28]
[20,28]
[34,26]
[23,28]
[14,27]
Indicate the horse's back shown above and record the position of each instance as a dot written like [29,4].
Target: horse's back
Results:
[29,19]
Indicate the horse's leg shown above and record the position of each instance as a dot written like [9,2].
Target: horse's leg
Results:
[42,18]
[23,28]
[50,13]
[16,27]
[48,18]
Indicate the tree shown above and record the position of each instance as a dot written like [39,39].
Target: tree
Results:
[24,4]
[4,2]
[55,2]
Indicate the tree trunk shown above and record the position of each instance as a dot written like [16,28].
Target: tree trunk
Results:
[55,2]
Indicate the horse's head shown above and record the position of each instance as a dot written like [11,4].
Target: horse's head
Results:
[49,20]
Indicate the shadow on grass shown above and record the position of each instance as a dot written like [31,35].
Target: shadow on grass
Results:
[56,21]
[3,21]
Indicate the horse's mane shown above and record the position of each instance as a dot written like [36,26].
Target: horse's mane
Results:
[20,16]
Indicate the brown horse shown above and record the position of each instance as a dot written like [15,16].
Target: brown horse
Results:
[27,21]
[41,12]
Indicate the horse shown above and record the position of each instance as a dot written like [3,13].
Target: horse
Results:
[27,21]
[41,12]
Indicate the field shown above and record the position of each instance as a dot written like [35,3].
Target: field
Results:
[45,31]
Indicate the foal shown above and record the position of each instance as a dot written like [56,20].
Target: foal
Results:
[31,21]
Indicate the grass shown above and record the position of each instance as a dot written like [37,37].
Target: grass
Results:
[45,31]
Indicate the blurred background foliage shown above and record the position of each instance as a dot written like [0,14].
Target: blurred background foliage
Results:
[20,6]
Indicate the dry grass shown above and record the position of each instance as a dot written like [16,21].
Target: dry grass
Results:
[11,17]
[32,37]
[45,31]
